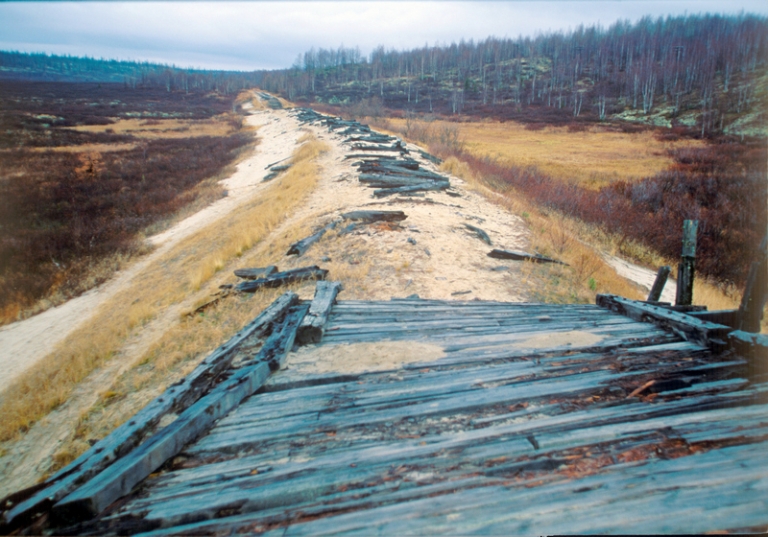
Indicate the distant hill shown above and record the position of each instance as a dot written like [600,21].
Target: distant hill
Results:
[703,73]
[52,68]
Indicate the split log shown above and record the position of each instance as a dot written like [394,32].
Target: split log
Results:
[283,278]
[299,247]
[432,185]
[313,326]
[375,216]
[522,256]
[254,273]
[121,477]
[125,438]
[482,235]
[270,176]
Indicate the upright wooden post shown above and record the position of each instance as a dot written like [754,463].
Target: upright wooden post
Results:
[755,292]
[687,264]
[658,285]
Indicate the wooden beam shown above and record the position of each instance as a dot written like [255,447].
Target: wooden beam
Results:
[283,278]
[431,185]
[686,268]
[659,283]
[686,326]
[522,256]
[313,326]
[479,233]
[125,438]
[374,216]
[755,292]
[119,478]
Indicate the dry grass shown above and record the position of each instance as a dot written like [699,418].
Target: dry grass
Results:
[593,158]
[554,236]
[167,282]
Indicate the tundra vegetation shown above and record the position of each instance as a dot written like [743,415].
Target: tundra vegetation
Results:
[89,168]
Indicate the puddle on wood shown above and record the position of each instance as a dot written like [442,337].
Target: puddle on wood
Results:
[360,357]
[574,338]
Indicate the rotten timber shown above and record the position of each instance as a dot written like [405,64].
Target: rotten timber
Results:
[300,247]
[283,278]
[686,326]
[522,256]
[128,436]
[369,217]
[255,273]
[312,327]
[124,474]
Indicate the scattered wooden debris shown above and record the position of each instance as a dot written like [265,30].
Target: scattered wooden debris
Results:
[283,278]
[427,186]
[374,216]
[482,235]
[123,440]
[298,248]
[522,256]
[312,327]
[254,273]
[123,475]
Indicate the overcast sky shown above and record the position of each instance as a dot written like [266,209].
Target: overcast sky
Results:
[270,34]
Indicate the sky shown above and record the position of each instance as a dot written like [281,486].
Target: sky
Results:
[250,35]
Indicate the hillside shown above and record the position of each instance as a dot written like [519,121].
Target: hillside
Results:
[700,74]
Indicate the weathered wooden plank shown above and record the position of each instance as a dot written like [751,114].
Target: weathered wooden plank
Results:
[122,476]
[432,185]
[298,248]
[255,273]
[522,256]
[374,216]
[125,438]
[313,326]
[283,278]
[688,327]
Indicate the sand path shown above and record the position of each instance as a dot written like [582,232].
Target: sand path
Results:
[24,343]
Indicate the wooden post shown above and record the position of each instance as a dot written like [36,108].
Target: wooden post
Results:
[658,285]
[687,264]
[755,292]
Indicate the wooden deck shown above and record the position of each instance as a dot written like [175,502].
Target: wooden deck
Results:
[535,419]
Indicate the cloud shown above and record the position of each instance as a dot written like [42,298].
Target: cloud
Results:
[258,35]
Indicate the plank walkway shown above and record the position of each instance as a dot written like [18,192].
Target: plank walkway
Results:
[538,419]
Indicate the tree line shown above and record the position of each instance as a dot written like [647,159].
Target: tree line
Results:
[709,64]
